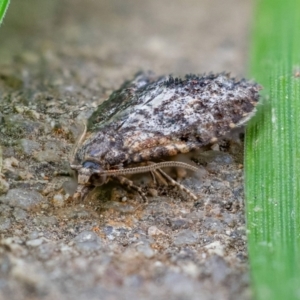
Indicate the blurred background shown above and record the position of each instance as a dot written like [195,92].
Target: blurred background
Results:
[122,37]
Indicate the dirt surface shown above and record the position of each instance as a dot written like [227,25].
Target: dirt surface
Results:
[58,61]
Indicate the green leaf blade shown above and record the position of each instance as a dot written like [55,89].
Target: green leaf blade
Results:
[272,161]
[3,8]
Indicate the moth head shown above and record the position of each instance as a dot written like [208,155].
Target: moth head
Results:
[88,175]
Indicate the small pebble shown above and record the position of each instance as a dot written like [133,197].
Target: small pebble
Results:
[145,249]
[19,214]
[33,235]
[223,159]
[5,223]
[35,243]
[54,146]
[48,156]
[29,146]
[45,221]
[22,198]
[4,186]
[16,123]
[153,230]
[152,192]
[117,194]
[5,209]
[213,224]
[186,237]
[58,200]
[10,163]
[215,248]
[88,241]
[46,251]
[180,223]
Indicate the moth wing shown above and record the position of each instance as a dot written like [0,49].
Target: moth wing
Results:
[195,110]
[121,102]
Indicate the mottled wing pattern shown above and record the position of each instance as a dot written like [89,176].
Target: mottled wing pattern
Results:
[193,109]
[120,101]
[148,120]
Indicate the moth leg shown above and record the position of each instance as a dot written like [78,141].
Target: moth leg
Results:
[81,192]
[153,177]
[180,186]
[124,181]
[158,178]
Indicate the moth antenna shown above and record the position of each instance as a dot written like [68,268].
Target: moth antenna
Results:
[153,166]
[79,141]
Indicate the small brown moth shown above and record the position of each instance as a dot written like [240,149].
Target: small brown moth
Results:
[150,119]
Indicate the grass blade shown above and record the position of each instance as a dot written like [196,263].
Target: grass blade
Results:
[272,161]
[3,7]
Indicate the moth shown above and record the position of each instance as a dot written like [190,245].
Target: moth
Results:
[149,120]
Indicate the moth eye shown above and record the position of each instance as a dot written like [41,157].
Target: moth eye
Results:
[90,165]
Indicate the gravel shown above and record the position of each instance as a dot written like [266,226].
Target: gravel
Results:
[111,245]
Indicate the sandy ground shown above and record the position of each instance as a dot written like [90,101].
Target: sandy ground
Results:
[58,61]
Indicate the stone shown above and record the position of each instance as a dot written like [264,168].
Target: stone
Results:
[153,231]
[186,237]
[5,223]
[35,243]
[19,214]
[45,221]
[4,186]
[58,200]
[145,249]
[29,146]
[88,241]
[180,223]
[48,156]
[22,198]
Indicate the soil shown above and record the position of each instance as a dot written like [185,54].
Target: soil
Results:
[58,61]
